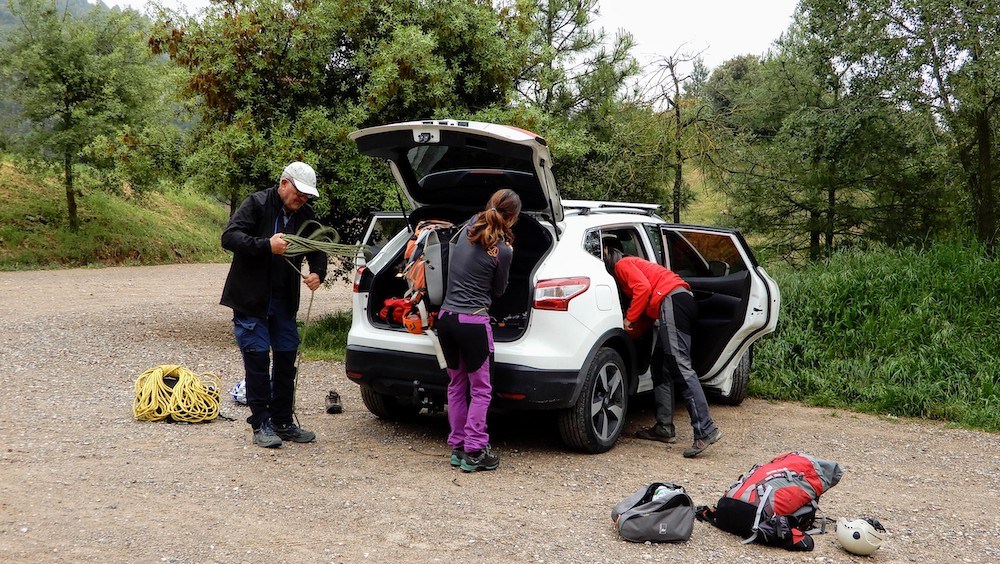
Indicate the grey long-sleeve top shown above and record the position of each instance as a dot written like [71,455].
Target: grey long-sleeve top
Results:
[475,274]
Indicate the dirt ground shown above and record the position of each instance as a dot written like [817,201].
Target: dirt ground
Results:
[82,480]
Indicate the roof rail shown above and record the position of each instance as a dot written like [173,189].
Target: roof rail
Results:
[586,207]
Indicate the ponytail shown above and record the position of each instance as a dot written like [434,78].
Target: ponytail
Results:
[493,223]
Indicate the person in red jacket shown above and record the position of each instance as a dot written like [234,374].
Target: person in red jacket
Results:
[658,293]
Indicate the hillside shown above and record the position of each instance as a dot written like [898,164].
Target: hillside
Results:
[170,227]
[75,7]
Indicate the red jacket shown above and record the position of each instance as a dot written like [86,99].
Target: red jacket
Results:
[647,283]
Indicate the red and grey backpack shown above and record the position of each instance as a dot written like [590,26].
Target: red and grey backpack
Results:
[776,503]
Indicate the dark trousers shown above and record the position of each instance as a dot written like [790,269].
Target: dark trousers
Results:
[678,313]
[270,393]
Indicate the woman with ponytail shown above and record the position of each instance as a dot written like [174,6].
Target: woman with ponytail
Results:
[478,267]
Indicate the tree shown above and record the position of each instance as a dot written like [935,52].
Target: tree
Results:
[279,81]
[75,78]
[939,56]
[811,163]
[682,117]
[568,67]
[607,142]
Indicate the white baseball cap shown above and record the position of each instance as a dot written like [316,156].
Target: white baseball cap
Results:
[303,177]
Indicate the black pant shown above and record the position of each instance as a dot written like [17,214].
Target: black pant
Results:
[678,312]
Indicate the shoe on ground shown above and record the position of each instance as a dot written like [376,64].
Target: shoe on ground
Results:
[264,436]
[333,404]
[294,433]
[457,456]
[651,434]
[700,445]
[480,460]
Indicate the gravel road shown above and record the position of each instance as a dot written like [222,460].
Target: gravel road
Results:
[81,480]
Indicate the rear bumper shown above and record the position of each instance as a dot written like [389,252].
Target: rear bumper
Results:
[409,375]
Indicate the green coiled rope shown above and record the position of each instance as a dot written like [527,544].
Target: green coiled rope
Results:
[322,238]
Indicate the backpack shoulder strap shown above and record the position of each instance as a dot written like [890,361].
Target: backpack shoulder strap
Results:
[760,513]
[819,526]
[706,514]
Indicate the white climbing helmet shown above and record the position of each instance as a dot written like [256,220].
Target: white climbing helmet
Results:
[860,536]
[239,392]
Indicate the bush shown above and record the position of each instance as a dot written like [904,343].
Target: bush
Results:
[900,332]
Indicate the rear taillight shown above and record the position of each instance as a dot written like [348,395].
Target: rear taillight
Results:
[357,278]
[555,294]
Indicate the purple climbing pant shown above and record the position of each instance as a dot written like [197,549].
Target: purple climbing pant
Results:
[467,340]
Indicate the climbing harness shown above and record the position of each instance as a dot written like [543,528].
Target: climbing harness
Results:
[173,393]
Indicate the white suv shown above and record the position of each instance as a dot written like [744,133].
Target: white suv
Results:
[558,330]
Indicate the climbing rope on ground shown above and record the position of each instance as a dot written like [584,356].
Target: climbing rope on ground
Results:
[175,393]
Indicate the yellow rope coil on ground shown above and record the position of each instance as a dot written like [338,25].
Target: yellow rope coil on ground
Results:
[174,392]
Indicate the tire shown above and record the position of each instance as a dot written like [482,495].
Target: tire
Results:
[596,421]
[741,382]
[388,407]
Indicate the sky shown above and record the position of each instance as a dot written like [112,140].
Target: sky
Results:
[718,29]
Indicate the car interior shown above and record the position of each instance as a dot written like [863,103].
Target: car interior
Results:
[721,291]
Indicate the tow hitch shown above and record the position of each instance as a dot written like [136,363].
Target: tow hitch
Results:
[425,400]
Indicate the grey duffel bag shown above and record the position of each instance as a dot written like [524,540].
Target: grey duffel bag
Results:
[659,512]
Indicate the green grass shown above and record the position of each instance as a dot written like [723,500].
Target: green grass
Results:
[709,204]
[904,333]
[325,338]
[154,228]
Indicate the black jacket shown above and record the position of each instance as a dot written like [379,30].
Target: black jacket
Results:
[248,286]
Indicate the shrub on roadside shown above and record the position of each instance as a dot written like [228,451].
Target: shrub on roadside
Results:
[901,332]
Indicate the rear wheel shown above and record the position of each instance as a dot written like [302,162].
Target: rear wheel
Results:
[741,382]
[387,407]
[596,421]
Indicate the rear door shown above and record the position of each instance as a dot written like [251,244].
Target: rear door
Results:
[462,163]
[737,301]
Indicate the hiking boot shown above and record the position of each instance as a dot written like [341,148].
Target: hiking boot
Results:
[333,404]
[294,433]
[264,436]
[457,456]
[480,460]
[651,434]
[700,445]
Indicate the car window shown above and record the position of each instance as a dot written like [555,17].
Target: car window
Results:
[443,167]
[625,238]
[592,242]
[695,253]
[655,239]
[382,228]
[718,248]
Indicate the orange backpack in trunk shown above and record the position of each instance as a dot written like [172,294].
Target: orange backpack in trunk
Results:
[425,269]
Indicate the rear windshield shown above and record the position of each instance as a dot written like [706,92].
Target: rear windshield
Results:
[430,160]
[442,168]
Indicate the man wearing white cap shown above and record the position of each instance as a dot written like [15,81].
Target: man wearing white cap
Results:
[263,290]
